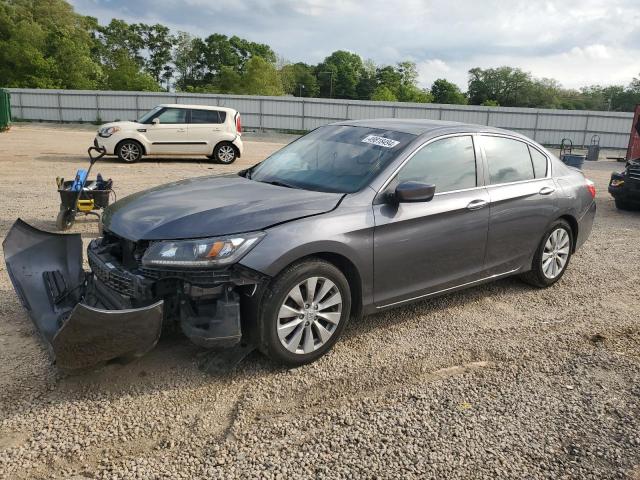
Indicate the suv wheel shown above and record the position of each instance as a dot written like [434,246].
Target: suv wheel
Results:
[224,153]
[129,151]
[552,256]
[304,311]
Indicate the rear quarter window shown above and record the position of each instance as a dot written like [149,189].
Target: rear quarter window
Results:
[508,160]
[207,116]
[539,163]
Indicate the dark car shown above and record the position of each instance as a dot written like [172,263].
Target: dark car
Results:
[624,186]
[353,218]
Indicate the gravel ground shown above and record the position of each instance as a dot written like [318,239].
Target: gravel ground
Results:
[497,381]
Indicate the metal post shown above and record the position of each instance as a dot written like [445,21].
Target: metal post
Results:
[535,127]
[393,111]
[98,119]
[302,115]
[137,106]
[347,113]
[260,114]
[439,113]
[21,107]
[586,128]
[59,108]
[488,115]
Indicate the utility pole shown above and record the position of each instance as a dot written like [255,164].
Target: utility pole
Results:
[330,82]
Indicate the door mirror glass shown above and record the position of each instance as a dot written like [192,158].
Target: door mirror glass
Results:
[407,192]
[155,121]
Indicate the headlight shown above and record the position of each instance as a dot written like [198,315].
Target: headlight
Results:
[108,131]
[205,252]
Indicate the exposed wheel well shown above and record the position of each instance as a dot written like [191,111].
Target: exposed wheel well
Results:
[144,150]
[573,223]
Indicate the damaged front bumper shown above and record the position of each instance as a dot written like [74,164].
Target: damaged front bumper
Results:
[87,318]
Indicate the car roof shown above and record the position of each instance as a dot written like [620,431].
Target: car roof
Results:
[197,107]
[422,127]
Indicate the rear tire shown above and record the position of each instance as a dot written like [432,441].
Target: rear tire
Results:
[129,151]
[224,153]
[552,256]
[297,332]
[66,219]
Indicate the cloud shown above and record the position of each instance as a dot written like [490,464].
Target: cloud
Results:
[577,42]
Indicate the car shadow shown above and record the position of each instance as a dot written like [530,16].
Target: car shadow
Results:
[431,306]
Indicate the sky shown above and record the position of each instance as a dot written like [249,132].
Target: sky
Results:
[577,42]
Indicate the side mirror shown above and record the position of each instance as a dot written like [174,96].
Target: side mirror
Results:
[155,121]
[407,192]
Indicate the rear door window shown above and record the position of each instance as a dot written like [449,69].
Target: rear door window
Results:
[508,160]
[539,163]
[207,116]
[449,164]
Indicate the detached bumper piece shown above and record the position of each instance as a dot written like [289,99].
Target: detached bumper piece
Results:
[80,330]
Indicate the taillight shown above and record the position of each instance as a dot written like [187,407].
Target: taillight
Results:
[238,124]
[592,188]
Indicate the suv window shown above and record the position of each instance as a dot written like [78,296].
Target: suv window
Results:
[509,160]
[207,116]
[539,163]
[173,115]
[449,164]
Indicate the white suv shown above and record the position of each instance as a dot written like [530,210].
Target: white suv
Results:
[175,130]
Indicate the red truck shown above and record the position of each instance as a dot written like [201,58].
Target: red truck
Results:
[624,186]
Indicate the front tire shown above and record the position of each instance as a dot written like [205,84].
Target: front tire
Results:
[552,256]
[66,219]
[224,153]
[129,151]
[304,311]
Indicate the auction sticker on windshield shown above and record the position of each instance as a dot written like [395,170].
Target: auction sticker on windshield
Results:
[380,141]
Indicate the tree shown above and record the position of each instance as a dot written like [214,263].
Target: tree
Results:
[299,80]
[123,73]
[261,78]
[186,58]
[444,91]
[338,75]
[383,93]
[367,83]
[158,42]
[45,45]
[508,86]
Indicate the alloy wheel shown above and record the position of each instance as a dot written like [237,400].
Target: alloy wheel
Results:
[309,315]
[226,154]
[556,253]
[130,152]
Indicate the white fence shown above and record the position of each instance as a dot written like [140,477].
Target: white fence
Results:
[546,126]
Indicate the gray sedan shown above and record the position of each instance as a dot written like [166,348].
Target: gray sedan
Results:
[350,219]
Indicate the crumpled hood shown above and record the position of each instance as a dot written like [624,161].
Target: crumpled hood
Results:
[211,206]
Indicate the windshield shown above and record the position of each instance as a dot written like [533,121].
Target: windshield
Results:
[145,118]
[335,158]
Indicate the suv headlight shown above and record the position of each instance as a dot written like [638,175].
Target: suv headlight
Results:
[204,252]
[108,131]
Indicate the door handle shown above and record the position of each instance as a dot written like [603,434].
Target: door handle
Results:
[546,190]
[181,130]
[477,204]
